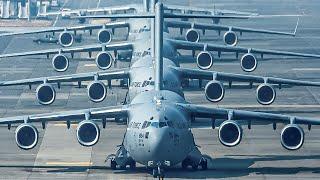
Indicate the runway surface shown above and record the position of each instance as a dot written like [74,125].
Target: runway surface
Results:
[58,155]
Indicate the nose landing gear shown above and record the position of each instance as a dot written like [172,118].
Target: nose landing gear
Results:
[158,173]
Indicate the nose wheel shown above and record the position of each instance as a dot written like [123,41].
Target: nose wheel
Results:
[158,173]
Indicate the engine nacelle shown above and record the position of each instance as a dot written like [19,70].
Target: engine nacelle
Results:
[88,133]
[26,136]
[192,35]
[230,38]
[60,63]
[248,62]
[104,60]
[265,94]
[104,36]
[230,133]
[66,39]
[214,91]
[97,91]
[205,60]
[45,94]
[292,137]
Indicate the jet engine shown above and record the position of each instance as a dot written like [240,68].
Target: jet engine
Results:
[248,62]
[292,137]
[97,91]
[104,60]
[192,35]
[26,136]
[214,91]
[88,133]
[266,94]
[104,36]
[205,60]
[60,63]
[230,133]
[230,38]
[66,39]
[45,94]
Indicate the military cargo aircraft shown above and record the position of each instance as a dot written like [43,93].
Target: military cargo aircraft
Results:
[140,75]
[159,119]
[106,31]
[205,58]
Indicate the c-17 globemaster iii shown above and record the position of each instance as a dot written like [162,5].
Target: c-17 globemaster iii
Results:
[159,121]
[106,31]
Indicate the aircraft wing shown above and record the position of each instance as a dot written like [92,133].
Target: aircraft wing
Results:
[88,48]
[75,28]
[229,77]
[103,75]
[220,113]
[107,10]
[217,27]
[194,10]
[75,115]
[178,44]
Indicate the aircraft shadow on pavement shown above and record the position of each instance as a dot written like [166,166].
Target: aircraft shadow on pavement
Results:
[229,166]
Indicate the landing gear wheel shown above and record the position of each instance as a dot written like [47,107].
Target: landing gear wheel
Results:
[133,165]
[154,173]
[194,166]
[113,164]
[184,164]
[204,164]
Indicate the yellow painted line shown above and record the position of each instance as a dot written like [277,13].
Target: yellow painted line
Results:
[69,163]
[306,69]
[90,65]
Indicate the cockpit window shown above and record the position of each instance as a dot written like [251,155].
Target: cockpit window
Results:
[162,124]
[155,124]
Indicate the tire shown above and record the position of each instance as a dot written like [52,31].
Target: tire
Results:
[133,165]
[113,164]
[195,167]
[184,164]
[154,173]
[204,165]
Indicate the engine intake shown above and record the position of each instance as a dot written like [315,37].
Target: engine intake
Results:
[205,60]
[104,60]
[230,133]
[88,133]
[266,94]
[214,91]
[104,36]
[60,63]
[97,91]
[26,136]
[192,35]
[248,62]
[292,137]
[66,39]
[45,94]
[230,38]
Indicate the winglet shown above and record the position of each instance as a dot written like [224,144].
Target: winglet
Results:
[295,29]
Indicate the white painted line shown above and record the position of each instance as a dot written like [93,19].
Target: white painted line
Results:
[305,69]
[90,65]
[70,163]
[268,106]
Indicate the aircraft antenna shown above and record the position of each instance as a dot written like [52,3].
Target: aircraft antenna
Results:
[295,29]
[158,46]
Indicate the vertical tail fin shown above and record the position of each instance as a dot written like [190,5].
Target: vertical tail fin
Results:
[158,46]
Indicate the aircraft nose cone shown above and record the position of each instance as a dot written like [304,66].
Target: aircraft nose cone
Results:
[160,144]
